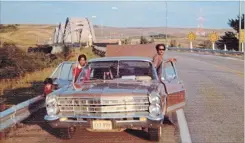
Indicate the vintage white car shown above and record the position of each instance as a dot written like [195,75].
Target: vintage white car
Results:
[120,93]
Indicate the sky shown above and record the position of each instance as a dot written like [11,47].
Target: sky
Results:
[122,14]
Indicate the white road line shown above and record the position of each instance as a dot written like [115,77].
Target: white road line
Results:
[184,131]
[230,58]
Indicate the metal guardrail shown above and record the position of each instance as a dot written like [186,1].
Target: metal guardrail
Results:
[19,112]
[100,51]
[207,51]
[2,105]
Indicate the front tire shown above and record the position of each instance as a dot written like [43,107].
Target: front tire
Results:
[66,133]
[155,134]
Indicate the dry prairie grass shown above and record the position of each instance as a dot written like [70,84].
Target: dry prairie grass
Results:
[24,81]
[31,84]
[28,35]
[28,78]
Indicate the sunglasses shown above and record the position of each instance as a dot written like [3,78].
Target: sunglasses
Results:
[161,49]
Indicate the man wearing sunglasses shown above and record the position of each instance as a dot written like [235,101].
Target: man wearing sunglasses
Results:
[158,58]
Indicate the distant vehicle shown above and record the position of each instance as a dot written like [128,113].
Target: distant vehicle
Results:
[120,93]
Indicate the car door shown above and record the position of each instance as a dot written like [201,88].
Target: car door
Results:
[62,75]
[174,87]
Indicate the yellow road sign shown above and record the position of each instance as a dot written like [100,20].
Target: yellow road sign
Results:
[241,36]
[191,36]
[213,37]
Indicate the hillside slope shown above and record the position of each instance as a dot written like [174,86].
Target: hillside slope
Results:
[30,35]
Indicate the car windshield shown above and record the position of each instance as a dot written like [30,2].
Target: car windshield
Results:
[124,69]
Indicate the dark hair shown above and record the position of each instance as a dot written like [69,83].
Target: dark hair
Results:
[82,56]
[159,45]
[48,80]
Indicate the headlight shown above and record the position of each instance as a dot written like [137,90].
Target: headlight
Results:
[155,110]
[51,105]
[154,98]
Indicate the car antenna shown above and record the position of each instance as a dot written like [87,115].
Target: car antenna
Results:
[118,69]
[104,77]
[73,79]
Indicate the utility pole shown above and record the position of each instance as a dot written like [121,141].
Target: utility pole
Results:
[240,23]
[243,25]
[166,33]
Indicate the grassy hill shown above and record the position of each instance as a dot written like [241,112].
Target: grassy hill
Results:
[29,35]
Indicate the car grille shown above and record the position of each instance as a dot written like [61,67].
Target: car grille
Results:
[125,104]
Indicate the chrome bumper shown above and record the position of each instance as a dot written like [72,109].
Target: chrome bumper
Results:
[107,116]
[117,124]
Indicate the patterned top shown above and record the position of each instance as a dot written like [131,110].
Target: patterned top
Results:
[157,61]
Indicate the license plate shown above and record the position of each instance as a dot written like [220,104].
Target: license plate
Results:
[102,125]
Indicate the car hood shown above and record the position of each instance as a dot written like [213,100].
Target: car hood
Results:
[109,88]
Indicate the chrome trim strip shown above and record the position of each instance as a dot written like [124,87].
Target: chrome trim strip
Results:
[130,121]
[74,121]
[113,116]
[103,109]
[63,101]
[122,58]
[106,115]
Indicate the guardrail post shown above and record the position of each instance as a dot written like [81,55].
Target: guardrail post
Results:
[191,46]
[2,108]
[225,47]
[242,47]
[213,45]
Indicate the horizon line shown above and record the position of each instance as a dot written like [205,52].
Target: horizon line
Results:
[108,26]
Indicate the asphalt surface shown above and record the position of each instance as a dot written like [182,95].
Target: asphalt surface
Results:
[215,97]
[214,110]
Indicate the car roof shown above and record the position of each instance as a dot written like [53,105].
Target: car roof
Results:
[69,62]
[130,58]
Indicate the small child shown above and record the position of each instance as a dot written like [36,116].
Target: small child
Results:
[48,86]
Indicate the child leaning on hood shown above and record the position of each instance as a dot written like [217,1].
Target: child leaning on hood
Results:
[48,86]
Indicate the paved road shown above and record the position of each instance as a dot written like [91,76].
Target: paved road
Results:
[215,102]
[214,110]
